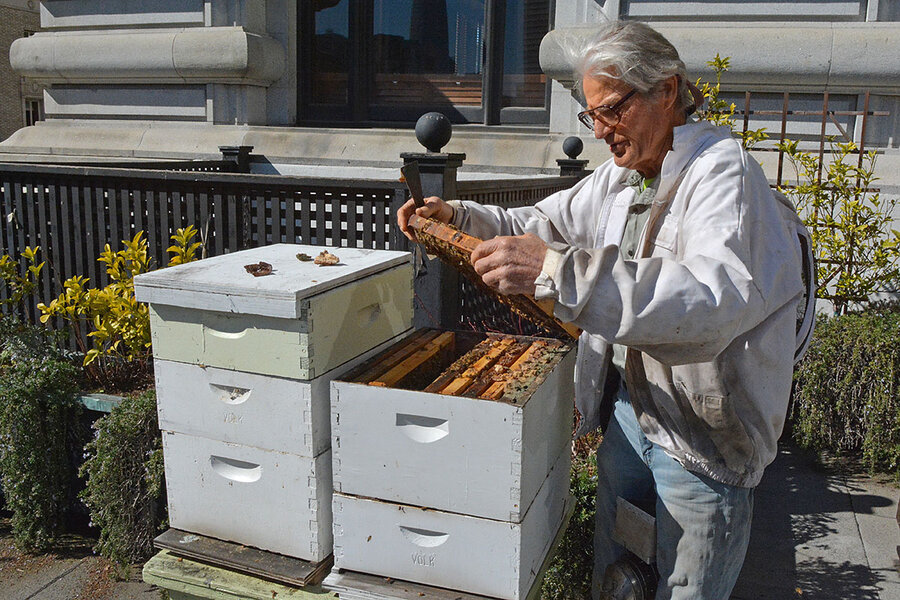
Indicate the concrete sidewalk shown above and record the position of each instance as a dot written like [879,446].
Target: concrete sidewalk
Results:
[821,534]
[70,572]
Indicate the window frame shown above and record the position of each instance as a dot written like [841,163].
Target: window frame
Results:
[358,111]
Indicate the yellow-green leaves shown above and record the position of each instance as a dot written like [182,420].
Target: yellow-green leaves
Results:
[184,249]
[21,283]
[117,324]
[720,112]
[856,249]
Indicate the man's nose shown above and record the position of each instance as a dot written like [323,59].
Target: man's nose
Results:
[601,130]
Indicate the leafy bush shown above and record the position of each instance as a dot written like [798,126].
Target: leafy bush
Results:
[720,112]
[38,413]
[847,388]
[850,222]
[118,325]
[125,490]
[21,284]
[569,575]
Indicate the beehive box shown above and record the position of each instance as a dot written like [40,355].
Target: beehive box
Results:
[266,412]
[299,322]
[460,552]
[243,366]
[275,501]
[409,426]
[273,413]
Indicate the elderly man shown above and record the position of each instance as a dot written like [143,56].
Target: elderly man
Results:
[683,270]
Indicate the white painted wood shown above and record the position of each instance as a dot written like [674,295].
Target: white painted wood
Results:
[332,328]
[465,455]
[460,552]
[270,500]
[255,410]
[272,413]
[222,284]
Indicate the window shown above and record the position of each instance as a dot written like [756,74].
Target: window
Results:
[392,60]
[34,111]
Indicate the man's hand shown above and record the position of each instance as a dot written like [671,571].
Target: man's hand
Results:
[510,264]
[434,208]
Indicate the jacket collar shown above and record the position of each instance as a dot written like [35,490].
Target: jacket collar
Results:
[688,141]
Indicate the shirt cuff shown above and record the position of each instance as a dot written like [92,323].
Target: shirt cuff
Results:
[459,213]
[545,286]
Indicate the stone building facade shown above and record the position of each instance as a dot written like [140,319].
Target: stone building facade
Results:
[21,100]
[332,83]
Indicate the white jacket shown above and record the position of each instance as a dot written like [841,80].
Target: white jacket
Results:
[708,311]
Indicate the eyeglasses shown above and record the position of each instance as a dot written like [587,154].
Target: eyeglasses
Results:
[608,115]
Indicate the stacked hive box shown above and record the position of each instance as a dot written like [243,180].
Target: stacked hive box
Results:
[243,366]
[453,482]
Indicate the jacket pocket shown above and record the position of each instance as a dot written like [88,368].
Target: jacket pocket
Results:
[718,431]
[714,411]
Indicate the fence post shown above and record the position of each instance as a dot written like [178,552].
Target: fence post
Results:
[436,285]
[239,156]
[568,167]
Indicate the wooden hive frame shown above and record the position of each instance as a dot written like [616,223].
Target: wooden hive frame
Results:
[499,367]
[454,247]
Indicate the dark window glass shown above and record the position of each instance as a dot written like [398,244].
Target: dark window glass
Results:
[427,52]
[524,83]
[391,59]
[330,52]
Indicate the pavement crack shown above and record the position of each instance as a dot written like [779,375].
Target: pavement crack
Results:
[853,506]
[54,580]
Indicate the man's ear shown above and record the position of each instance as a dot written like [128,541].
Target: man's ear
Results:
[670,92]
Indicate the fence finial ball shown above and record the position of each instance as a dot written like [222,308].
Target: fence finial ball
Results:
[573,146]
[433,130]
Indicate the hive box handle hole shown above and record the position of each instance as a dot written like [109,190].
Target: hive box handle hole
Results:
[230,394]
[424,430]
[423,537]
[235,470]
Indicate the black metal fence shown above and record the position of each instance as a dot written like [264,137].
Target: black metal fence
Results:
[73,212]
[511,193]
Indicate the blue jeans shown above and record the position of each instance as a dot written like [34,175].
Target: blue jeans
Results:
[702,525]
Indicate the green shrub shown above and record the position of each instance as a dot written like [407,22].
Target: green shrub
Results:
[125,489]
[847,388]
[569,574]
[856,249]
[117,325]
[720,112]
[38,416]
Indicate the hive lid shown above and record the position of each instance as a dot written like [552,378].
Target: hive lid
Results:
[222,283]
[455,247]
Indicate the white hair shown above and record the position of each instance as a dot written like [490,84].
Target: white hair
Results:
[632,52]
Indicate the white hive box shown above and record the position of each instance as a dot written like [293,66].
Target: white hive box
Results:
[461,552]
[243,366]
[465,455]
[263,411]
[299,322]
[275,501]
[266,412]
